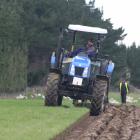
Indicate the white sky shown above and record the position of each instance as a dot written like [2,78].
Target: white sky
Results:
[123,13]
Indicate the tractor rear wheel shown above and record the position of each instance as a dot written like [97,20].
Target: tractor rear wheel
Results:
[99,96]
[52,97]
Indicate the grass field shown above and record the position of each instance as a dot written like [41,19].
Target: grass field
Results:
[132,98]
[28,119]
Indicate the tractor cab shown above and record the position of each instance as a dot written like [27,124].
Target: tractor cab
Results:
[80,29]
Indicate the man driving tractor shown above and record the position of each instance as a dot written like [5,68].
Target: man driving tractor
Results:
[90,50]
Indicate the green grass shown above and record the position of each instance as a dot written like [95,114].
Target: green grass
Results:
[117,97]
[30,120]
[136,97]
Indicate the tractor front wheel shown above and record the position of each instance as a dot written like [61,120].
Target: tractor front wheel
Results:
[99,95]
[52,97]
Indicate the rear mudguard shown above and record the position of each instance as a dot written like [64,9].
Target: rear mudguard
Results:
[103,77]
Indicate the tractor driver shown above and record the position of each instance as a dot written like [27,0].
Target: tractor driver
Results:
[90,48]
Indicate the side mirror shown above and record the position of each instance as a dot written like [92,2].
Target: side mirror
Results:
[102,37]
[66,31]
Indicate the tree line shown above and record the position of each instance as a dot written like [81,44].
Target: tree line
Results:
[29,32]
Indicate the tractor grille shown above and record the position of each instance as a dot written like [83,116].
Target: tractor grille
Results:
[79,71]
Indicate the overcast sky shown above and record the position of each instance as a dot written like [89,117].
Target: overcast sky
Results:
[123,13]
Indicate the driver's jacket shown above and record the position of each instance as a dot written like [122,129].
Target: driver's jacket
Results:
[90,52]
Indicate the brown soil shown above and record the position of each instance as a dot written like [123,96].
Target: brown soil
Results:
[116,123]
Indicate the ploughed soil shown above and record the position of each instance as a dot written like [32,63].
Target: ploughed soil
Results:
[116,123]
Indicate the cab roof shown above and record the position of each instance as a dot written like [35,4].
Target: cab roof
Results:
[88,29]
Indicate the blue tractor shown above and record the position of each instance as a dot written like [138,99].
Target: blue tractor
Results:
[78,75]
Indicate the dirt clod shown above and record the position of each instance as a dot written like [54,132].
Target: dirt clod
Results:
[116,123]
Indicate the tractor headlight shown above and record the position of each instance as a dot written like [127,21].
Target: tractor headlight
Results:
[85,73]
[72,70]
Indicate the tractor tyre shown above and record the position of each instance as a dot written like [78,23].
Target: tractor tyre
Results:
[107,92]
[52,97]
[99,95]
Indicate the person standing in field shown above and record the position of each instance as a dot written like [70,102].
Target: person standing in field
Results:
[123,90]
